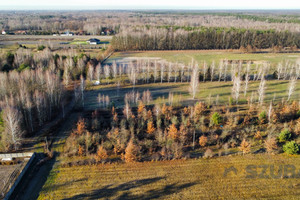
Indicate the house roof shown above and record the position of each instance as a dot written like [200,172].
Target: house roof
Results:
[94,40]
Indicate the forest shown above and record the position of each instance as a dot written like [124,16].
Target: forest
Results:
[172,38]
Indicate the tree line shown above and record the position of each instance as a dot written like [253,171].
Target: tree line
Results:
[205,38]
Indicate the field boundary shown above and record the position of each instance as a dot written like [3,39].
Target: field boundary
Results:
[24,170]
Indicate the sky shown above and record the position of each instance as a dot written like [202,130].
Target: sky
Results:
[148,4]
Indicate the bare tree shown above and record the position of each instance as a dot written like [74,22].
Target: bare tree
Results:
[114,69]
[162,69]
[82,88]
[90,73]
[247,78]
[194,81]
[98,72]
[106,72]
[155,71]
[127,111]
[261,91]
[236,88]
[212,71]
[221,65]
[204,71]
[270,112]
[12,119]
[292,86]
[169,72]
[80,65]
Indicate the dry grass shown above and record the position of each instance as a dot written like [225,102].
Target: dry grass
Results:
[180,179]
[160,92]
[208,56]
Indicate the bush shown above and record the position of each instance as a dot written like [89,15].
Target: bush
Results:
[208,154]
[41,48]
[23,67]
[262,117]
[285,135]
[215,119]
[291,148]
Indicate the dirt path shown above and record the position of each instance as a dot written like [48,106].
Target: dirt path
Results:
[36,179]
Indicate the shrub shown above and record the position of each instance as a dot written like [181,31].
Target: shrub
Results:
[101,154]
[285,135]
[262,117]
[245,147]
[41,48]
[291,148]
[271,144]
[208,153]
[23,67]
[202,141]
[215,119]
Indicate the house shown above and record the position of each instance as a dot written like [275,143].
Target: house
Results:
[93,41]
[67,34]
[3,32]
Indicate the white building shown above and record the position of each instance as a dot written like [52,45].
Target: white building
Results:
[67,34]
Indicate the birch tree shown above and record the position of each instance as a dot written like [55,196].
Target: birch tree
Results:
[236,88]
[194,84]
[12,119]
[292,86]
[261,91]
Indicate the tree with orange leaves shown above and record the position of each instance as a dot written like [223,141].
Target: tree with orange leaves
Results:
[141,107]
[203,141]
[150,127]
[80,150]
[131,152]
[245,147]
[101,154]
[80,127]
[173,132]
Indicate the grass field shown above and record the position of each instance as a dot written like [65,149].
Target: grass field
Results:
[180,179]
[209,56]
[208,91]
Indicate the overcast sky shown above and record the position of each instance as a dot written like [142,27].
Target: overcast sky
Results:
[149,4]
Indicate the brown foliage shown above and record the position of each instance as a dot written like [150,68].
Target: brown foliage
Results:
[173,132]
[131,152]
[150,127]
[80,150]
[200,109]
[258,135]
[245,147]
[203,141]
[80,127]
[297,127]
[101,154]
[141,107]
[271,144]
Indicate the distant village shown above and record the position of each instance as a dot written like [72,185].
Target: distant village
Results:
[65,33]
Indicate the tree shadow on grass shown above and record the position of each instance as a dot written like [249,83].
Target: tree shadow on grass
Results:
[110,191]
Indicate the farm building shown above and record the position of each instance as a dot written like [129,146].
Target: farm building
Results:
[93,41]
[67,34]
